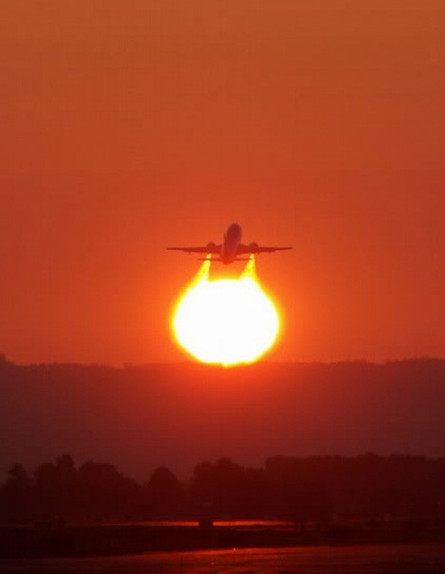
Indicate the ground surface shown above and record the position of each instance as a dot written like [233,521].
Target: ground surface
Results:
[369,559]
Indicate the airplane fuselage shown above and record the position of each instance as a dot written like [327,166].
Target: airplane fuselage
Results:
[229,247]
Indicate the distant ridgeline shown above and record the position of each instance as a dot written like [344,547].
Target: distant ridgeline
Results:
[158,416]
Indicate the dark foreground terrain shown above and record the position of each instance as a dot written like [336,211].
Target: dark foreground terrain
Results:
[358,559]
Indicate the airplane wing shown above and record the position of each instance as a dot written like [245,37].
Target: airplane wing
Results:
[205,249]
[244,249]
[270,249]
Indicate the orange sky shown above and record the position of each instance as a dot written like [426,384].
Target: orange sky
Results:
[130,126]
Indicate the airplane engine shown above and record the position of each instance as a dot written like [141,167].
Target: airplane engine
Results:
[253,247]
[211,247]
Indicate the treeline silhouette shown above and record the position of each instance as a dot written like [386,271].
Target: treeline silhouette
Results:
[318,488]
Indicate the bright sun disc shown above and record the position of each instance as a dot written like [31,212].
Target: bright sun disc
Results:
[226,321]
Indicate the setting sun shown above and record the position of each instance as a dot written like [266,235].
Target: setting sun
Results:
[225,321]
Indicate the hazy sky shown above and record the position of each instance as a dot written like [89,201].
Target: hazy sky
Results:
[127,126]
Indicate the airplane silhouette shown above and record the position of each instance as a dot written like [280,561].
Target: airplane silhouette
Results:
[231,247]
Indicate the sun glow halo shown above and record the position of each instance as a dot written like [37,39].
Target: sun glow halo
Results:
[225,321]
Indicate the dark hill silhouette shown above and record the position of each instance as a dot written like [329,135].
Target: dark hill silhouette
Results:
[172,415]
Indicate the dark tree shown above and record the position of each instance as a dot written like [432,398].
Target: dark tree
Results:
[15,495]
[163,494]
[219,489]
[105,493]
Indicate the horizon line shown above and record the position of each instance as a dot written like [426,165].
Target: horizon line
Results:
[4,360]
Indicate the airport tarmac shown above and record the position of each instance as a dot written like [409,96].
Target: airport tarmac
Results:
[361,559]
